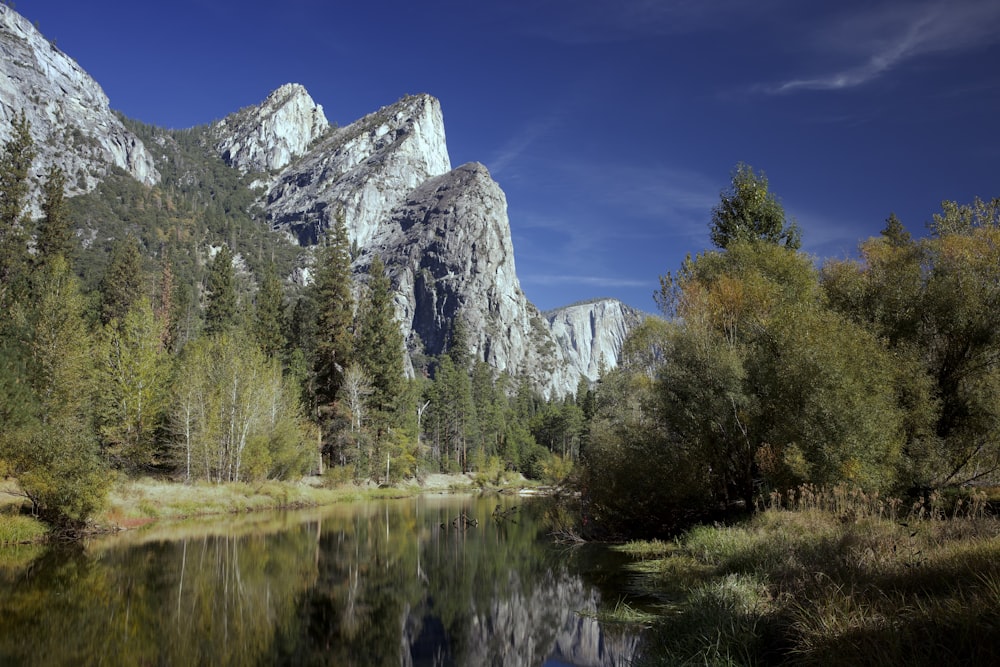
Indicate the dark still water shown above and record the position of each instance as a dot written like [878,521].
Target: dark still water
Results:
[377,583]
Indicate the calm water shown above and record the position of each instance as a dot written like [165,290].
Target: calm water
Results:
[379,583]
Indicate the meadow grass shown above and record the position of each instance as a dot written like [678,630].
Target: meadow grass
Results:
[20,529]
[832,577]
[133,502]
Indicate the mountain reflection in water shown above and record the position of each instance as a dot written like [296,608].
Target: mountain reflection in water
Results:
[379,583]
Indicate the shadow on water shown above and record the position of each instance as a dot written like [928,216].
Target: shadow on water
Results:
[424,581]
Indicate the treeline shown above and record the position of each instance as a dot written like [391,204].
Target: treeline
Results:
[179,357]
[881,372]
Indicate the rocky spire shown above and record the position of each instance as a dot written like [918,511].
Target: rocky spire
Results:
[361,171]
[270,135]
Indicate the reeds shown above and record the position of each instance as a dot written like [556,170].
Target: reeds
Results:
[837,576]
[20,529]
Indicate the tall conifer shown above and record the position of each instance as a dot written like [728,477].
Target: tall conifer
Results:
[220,314]
[334,313]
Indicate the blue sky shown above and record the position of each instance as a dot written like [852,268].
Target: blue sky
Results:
[612,126]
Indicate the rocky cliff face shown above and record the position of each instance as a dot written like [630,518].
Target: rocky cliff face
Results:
[71,121]
[591,334]
[268,136]
[361,171]
[449,253]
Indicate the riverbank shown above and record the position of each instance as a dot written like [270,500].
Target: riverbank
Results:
[838,579]
[136,502]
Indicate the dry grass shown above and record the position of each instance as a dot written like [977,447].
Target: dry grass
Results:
[842,577]
[135,502]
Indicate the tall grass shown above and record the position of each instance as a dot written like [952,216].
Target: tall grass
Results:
[18,529]
[133,502]
[836,576]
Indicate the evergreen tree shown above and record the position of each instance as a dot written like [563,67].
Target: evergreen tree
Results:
[379,346]
[121,286]
[335,313]
[55,237]
[55,459]
[458,344]
[166,310]
[749,211]
[894,231]
[220,313]
[267,312]
[15,163]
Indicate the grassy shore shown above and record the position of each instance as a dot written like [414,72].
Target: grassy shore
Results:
[839,578]
[134,502]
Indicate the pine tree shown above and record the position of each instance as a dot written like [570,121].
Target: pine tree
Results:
[121,286]
[55,236]
[749,211]
[166,307]
[15,163]
[379,347]
[267,313]
[335,313]
[220,314]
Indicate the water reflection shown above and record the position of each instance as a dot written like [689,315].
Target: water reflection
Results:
[387,583]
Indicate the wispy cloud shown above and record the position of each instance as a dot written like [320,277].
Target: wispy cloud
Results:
[590,280]
[515,147]
[881,38]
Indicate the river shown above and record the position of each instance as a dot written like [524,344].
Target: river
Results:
[431,580]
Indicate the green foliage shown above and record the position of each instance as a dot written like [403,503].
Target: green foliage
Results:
[934,302]
[756,383]
[234,417]
[53,453]
[268,309]
[15,164]
[122,284]
[748,211]
[330,338]
[132,375]
[379,342]
[220,312]
[55,236]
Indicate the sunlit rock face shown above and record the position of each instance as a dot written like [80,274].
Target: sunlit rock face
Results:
[71,121]
[361,172]
[449,253]
[591,334]
[270,135]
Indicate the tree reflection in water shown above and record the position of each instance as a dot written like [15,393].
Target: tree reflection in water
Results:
[381,583]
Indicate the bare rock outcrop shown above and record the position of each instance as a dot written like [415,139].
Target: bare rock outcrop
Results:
[591,334]
[449,253]
[71,121]
[361,171]
[270,135]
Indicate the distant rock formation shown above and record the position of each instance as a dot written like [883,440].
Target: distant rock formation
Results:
[591,334]
[71,121]
[268,136]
